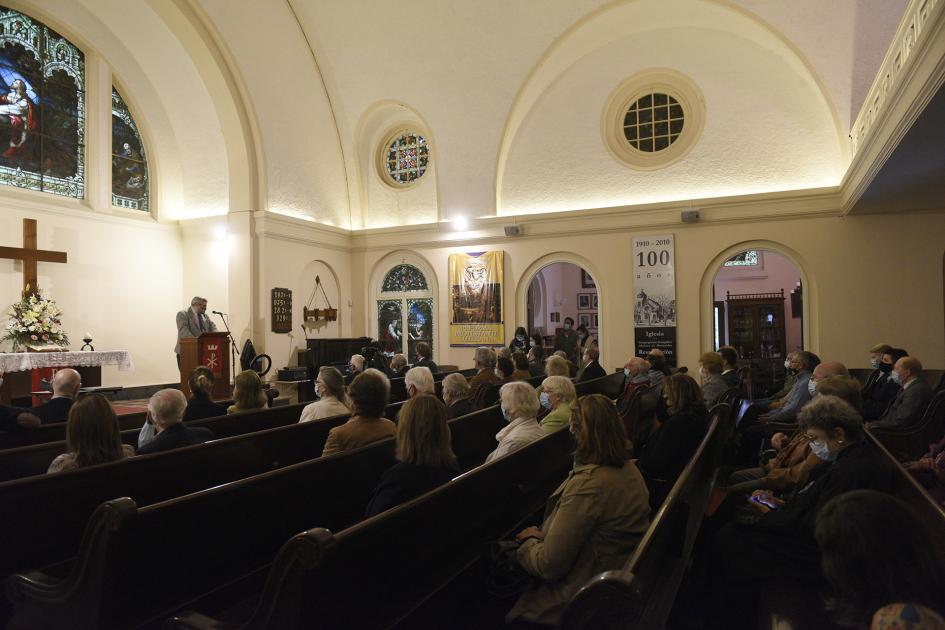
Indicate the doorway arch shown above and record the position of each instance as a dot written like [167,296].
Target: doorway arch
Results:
[811,334]
[530,274]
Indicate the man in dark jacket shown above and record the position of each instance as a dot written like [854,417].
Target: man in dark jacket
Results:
[165,411]
[425,357]
[911,401]
[592,368]
[66,384]
[456,396]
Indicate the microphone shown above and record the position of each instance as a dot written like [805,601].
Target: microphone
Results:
[217,313]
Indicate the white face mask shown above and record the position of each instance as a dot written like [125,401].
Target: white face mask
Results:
[874,363]
[896,377]
[812,387]
[822,451]
[626,372]
[787,364]
[497,372]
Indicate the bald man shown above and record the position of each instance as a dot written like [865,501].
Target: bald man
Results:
[66,384]
[165,412]
[910,403]
[826,369]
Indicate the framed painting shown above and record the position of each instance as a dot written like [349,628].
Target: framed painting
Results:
[584,301]
[587,282]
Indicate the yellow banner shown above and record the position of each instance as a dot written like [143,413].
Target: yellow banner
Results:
[476,299]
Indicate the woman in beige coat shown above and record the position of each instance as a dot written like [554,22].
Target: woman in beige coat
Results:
[593,521]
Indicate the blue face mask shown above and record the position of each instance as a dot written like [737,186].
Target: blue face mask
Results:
[820,449]
[812,387]
[874,363]
[520,338]
[545,400]
[896,377]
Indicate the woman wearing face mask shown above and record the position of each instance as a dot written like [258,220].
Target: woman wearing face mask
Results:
[332,400]
[781,541]
[519,404]
[566,340]
[878,395]
[557,396]
[585,341]
[521,341]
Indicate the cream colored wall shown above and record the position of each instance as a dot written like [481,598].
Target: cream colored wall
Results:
[856,295]
[122,283]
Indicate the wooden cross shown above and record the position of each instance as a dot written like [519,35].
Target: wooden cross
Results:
[30,255]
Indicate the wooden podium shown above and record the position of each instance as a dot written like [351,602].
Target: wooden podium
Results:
[211,349]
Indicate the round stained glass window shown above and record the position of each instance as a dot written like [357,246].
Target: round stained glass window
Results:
[653,122]
[408,156]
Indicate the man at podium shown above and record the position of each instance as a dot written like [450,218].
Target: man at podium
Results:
[192,322]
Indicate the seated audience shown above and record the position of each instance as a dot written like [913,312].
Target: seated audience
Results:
[593,521]
[883,390]
[504,368]
[557,396]
[538,346]
[248,394]
[805,363]
[519,404]
[670,447]
[520,342]
[332,400]
[572,367]
[592,368]
[503,353]
[535,364]
[778,398]
[201,403]
[484,361]
[910,403]
[93,436]
[425,457]
[398,366]
[710,369]
[65,384]
[636,376]
[657,369]
[166,412]
[355,364]
[876,360]
[566,340]
[930,470]
[729,366]
[419,380]
[456,396]
[368,392]
[791,461]
[880,563]
[425,357]
[780,542]
[521,372]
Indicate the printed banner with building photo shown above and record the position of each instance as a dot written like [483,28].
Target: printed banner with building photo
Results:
[476,299]
[654,287]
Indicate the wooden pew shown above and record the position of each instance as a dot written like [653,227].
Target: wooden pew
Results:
[438,535]
[641,594]
[56,432]
[225,535]
[912,442]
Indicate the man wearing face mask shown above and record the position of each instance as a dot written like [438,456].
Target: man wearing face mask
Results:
[566,340]
[876,359]
[878,397]
[911,401]
[636,375]
[710,370]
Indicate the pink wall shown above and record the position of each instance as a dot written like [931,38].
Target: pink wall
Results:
[562,282]
[776,273]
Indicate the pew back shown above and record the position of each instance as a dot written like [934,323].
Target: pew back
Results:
[912,442]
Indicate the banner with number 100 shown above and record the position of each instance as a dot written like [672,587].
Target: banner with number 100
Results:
[654,290]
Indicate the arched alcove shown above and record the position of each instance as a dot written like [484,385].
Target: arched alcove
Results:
[569,304]
[403,304]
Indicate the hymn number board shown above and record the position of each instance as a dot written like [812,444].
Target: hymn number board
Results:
[281,310]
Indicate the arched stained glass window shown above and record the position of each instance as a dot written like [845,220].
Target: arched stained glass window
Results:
[129,164]
[42,108]
[404,278]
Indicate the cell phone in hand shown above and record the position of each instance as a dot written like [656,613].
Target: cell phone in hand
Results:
[766,502]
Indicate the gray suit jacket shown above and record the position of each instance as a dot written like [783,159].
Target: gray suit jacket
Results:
[188,326]
[713,387]
[908,406]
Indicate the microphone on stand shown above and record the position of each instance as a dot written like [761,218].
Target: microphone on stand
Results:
[218,313]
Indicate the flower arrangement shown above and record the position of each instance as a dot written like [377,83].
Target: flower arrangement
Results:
[34,323]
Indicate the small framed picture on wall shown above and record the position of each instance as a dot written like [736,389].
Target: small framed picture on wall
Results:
[596,320]
[584,301]
[586,319]
[587,282]
[594,302]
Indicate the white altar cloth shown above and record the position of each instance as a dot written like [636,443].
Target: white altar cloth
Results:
[25,361]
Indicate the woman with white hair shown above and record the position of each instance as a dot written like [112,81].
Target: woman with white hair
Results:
[557,395]
[355,364]
[519,403]
[456,396]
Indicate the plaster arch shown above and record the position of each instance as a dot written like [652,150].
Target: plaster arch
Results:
[626,19]
[416,203]
[521,292]
[810,302]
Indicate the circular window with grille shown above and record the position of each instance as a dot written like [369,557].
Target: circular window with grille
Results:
[405,158]
[653,119]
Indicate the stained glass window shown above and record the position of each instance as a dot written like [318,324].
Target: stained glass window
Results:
[404,278]
[744,259]
[407,158]
[419,325]
[653,122]
[129,164]
[42,108]
[390,326]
